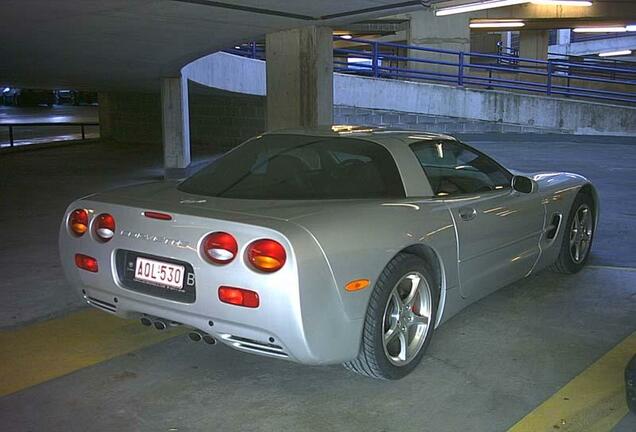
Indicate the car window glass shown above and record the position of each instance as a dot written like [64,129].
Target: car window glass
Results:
[287,166]
[455,169]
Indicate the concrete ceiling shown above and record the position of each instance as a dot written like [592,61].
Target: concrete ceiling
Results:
[131,44]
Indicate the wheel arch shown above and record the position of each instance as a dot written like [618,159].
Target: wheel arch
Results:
[434,261]
[590,190]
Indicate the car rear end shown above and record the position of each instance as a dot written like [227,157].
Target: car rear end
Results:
[234,276]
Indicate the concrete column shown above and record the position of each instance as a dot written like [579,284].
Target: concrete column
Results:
[533,44]
[176,126]
[563,36]
[105,113]
[299,78]
[430,31]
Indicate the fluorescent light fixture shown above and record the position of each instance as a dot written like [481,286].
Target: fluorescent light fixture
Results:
[631,28]
[615,53]
[481,5]
[497,24]
[346,36]
[600,30]
[563,2]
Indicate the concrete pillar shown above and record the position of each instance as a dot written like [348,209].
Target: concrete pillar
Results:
[176,126]
[299,78]
[447,32]
[105,113]
[533,44]
[563,36]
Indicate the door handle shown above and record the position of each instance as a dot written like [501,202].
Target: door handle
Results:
[467,213]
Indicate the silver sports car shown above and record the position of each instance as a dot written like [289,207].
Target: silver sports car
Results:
[338,245]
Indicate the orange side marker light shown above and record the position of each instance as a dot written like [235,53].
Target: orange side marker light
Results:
[357,285]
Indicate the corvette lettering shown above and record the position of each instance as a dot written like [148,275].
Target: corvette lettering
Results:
[155,238]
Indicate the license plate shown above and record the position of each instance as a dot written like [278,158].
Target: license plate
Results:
[159,273]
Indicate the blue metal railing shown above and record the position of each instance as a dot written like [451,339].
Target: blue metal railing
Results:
[553,77]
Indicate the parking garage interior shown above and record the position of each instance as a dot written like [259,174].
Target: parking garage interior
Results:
[103,95]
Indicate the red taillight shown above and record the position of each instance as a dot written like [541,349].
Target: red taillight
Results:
[105,227]
[238,297]
[266,255]
[157,215]
[86,263]
[219,247]
[78,222]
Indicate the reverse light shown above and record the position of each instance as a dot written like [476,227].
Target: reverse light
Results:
[219,247]
[266,255]
[78,222]
[86,262]
[239,297]
[105,227]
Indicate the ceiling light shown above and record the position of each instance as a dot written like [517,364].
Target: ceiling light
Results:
[631,28]
[346,36]
[615,53]
[600,30]
[497,24]
[488,4]
[563,2]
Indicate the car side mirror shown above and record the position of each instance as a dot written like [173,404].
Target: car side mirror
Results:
[523,184]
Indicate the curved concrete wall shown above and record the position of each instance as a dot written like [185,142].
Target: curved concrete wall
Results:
[539,113]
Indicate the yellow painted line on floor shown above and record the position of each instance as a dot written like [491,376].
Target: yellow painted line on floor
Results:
[594,401]
[50,349]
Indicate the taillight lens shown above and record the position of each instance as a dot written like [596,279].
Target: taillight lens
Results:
[238,296]
[78,222]
[104,227]
[86,263]
[220,247]
[266,255]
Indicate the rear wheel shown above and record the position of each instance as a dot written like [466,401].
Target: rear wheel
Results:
[577,239]
[399,321]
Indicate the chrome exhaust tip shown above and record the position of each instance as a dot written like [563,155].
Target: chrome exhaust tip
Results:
[209,339]
[145,321]
[160,325]
[195,336]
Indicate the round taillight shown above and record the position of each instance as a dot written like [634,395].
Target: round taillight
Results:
[266,255]
[105,227]
[78,222]
[219,247]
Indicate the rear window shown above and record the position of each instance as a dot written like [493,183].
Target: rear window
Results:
[299,167]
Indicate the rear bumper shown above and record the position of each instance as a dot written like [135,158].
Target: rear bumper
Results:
[300,318]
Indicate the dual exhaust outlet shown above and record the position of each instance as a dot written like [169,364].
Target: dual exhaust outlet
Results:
[162,324]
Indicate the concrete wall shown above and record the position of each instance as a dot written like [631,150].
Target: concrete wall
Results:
[130,117]
[517,110]
[539,112]
[221,120]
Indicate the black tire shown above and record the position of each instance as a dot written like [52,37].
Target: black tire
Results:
[565,263]
[372,361]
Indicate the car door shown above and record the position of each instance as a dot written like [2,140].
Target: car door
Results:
[498,229]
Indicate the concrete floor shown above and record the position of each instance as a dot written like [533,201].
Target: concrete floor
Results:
[486,368]
[24,135]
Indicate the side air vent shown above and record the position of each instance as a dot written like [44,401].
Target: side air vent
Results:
[108,307]
[553,228]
